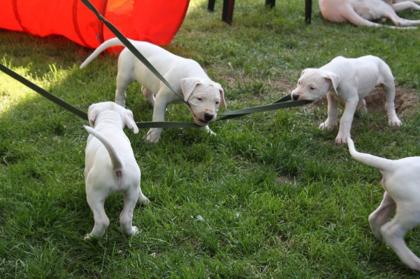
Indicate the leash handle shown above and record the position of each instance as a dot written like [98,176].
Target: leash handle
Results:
[43,92]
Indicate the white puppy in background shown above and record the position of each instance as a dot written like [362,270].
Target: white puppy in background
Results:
[348,80]
[362,12]
[191,83]
[111,165]
[401,181]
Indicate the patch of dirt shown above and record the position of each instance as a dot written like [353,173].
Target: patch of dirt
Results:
[406,100]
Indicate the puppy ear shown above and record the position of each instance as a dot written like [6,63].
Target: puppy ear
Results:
[187,87]
[222,95]
[333,78]
[92,114]
[129,121]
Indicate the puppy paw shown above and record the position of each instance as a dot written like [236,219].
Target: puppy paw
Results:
[134,230]
[327,125]
[211,133]
[153,135]
[394,122]
[88,237]
[341,139]
[144,200]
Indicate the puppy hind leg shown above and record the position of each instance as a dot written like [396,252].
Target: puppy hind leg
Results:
[143,199]
[354,18]
[131,197]
[406,5]
[96,203]
[400,21]
[389,87]
[381,215]
[393,233]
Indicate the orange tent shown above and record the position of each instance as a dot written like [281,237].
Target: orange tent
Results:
[156,21]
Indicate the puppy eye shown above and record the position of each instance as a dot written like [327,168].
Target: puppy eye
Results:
[311,88]
[217,102]
[200,99]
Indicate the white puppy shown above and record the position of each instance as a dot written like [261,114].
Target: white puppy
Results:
[111,166]
[191,83]
[362,12]
[349,80]
[401,181]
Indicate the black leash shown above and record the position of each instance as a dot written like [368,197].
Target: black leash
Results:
[44,93]
[285,102]
[82,114]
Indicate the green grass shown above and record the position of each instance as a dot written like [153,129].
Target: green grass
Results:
[278,198]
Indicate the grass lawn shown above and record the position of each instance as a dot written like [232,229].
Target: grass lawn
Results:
[277,197]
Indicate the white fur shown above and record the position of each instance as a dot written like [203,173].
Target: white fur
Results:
[110,165]
[401,181]
[348,80]
[186,77]
[362,12]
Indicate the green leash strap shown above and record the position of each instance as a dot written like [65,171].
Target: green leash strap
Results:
[129,45]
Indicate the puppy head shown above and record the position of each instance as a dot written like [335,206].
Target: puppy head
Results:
[313,84]
[204,98]
[112,112]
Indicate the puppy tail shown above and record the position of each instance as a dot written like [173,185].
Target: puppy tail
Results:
[116,161]
[370,160]
[107,44]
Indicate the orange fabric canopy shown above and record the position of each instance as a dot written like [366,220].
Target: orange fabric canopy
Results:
[156,21]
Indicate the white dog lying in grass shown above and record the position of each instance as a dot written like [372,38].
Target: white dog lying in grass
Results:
[202,95]
[362,12]
[401,181]
[111,165]
[348,80]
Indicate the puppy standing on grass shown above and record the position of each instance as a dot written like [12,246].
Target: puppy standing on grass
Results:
[191,83]
[111,165]
[348,80]
[401,181]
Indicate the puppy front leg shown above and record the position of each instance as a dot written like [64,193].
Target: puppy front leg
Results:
[331,121]
[207,130]
[123,80]
[153,135]
[346,120]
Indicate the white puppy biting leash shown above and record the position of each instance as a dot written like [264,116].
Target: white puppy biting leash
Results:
[111,165]
[401,181]
[348,80]
[186,76]
[361,12]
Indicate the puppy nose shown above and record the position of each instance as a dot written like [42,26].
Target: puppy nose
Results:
[295,97]
[208,116]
